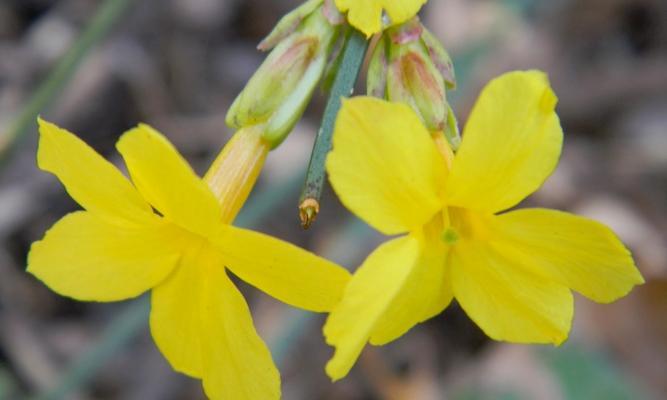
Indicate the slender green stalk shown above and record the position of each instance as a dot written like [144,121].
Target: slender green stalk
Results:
[105,18]
[346,77]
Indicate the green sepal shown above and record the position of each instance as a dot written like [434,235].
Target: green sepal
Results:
[376,79]
[440,58]
[288,24]
[280,89]
[284,118]
[452,133]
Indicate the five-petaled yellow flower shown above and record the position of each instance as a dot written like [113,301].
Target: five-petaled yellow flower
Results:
[366,15]
[513,272]
[119,247]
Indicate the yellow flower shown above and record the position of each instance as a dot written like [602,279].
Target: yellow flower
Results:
[119,247]
[512,273]
[366,15]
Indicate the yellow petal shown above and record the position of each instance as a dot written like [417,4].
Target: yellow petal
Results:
[506,301]
[286,272]
[92,181]
[366,15]
[202,325]
[371,291]
[511,144]
[577,252]
[424,294]
[167,182]
[176,312]
[238,365]
[86,258]
[384,166]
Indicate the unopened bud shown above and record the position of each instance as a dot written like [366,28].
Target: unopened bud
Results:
[280,89]
[410,66]
[413,79]
[288,24]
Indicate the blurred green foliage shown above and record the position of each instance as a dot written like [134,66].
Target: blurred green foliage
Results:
[586,374]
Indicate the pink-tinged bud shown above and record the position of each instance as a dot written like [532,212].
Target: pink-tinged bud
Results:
[272,82]
[413,79]
[288,24]
[407,32]
[409,66]
[280,89]
[332,13]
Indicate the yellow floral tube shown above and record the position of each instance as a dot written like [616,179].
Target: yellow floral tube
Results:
[240,161]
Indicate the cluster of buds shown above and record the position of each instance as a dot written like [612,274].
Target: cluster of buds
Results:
[302,45]
[409,65]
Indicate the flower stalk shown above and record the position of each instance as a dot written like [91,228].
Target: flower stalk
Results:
[343,86]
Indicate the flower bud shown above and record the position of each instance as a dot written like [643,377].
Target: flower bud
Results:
[288,24]
[414,80]
[410,66]
[280,89]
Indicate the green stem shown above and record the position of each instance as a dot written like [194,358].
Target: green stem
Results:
[343,85]
[107,15]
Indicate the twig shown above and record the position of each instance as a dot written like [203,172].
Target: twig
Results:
[353,58]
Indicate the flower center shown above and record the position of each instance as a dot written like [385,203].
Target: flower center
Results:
[461,223]
[450,236]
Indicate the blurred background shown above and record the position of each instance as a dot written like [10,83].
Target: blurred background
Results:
[178,64]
